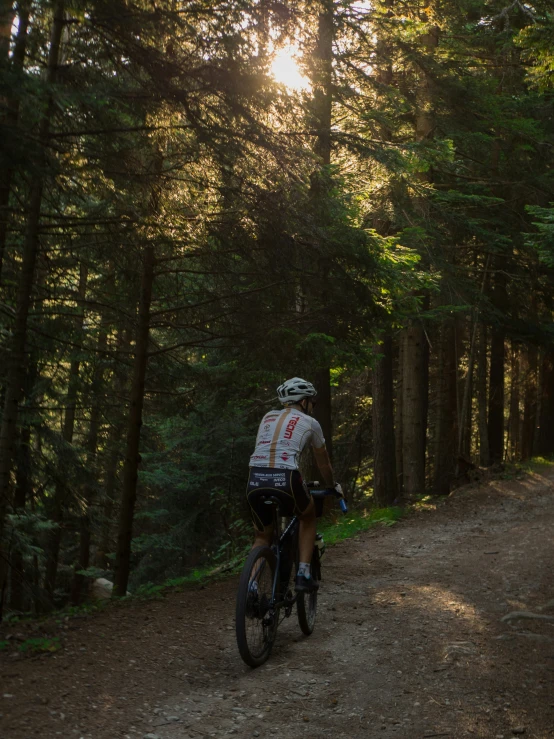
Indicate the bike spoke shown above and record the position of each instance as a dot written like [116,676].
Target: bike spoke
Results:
[256,619]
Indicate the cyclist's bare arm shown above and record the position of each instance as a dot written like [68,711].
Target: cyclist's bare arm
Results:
[324,465]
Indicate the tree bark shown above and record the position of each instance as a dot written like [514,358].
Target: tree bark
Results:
[398,415]
[7,16]
[132,458]
[482,366]
[322,78]
[22,494]
[496,397]
[385,490]
[514,423]
[413,410]
[56,513]
[416,351]
[113,458]
[322,411]
[109,497]
[91,446]
[322,107]
[546,426]
[12,106]
[445,436]
[464,419]
[17,360]
[529,370]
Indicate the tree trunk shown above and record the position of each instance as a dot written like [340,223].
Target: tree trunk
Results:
[514,425]
[22,494]
[109,497]
[465,421]
[539,403]
[12,105]
[132,458]
[322,78]
[116,432]
[546,428]
[484,453]
[496,397]
[416,352]
[398,415]
[445,436]
[413,410]
[57,504]
[7,16]
[322,107]
[17,360]
[385,489]
[529,369]
[322,411]
[89,488]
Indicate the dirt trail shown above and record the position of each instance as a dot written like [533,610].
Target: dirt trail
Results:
[409,643]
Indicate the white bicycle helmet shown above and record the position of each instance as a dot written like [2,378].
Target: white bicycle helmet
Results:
[295,390]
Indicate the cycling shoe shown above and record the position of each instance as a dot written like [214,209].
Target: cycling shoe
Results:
[305,584]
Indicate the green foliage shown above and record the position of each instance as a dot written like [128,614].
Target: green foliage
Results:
[357,521]
[92,572]
[549,461]
[37,645]
[537,42]
[543,238]
[167,131]
[83,610]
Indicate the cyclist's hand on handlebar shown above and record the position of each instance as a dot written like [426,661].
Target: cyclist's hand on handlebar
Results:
[340,495]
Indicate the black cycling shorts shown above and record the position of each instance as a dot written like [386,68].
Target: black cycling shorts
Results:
[287,485]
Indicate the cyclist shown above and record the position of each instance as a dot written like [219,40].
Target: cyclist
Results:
[282,436]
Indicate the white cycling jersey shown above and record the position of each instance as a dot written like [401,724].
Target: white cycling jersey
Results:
[282,436]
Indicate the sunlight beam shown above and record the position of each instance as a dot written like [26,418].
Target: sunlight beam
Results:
[285,70]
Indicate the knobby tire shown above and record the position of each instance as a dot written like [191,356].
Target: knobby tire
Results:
[254,638]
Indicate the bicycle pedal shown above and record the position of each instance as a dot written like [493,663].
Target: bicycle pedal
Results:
[305,584]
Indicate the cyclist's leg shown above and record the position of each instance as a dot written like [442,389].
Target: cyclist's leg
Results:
[305,510]
[262,538]
[261,483]
[261,514]
[306,532]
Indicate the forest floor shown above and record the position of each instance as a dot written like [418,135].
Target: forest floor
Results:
[409,643]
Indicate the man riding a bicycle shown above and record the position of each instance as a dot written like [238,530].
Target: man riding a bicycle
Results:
[282,436]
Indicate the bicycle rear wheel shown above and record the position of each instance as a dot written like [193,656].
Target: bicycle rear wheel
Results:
[306,603]
[256,626]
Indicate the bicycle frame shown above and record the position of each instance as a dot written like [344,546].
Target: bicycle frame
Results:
[287,535]
[258,610]
[290,532]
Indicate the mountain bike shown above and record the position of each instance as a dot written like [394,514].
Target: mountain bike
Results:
[264,598]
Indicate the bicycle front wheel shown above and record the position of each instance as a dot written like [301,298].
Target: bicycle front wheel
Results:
[256,623]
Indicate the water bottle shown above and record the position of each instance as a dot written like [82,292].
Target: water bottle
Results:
[320,544]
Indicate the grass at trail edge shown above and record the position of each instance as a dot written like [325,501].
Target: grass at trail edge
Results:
[357,521]
[333,530]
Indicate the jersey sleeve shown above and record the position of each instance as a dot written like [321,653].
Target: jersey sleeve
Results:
[318,440]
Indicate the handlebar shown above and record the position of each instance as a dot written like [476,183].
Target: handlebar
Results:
[322,493]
